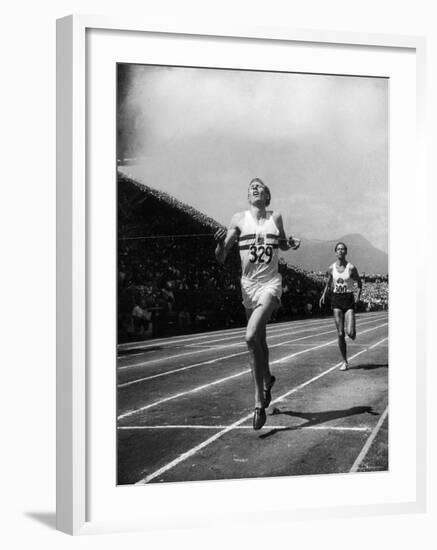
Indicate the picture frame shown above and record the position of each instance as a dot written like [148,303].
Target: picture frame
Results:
[75,209]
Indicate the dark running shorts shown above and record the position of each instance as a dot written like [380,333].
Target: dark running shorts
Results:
[343,301]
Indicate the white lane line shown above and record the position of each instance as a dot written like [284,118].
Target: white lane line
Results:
[145,344]
[231,377]
[226,332]
[205,350]
[200,446]
[212,361]
[273,330]
[248,427]
[292,344]
[324,373]
[181,394]
[270,334]
[369,442]
[223,357]
[377,344]
[179,369]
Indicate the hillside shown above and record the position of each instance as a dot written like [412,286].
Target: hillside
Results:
[317,254]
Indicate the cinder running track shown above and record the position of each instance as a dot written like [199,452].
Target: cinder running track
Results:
[185,405]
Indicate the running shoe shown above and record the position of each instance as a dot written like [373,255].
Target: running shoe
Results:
[259,418]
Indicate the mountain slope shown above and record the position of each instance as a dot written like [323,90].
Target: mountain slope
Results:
[317,254]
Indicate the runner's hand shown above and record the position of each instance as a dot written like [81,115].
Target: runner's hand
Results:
[294,243]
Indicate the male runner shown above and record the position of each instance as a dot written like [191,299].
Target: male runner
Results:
[341,277]
[260,233]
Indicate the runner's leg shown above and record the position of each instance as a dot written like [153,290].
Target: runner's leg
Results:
[349,318]
[257,345]
[266,371]
[339,323]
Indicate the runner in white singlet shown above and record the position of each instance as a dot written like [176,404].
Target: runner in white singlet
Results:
[259,252]
[260,234]
[341,277]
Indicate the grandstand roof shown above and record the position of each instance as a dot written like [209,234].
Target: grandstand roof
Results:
[170,201]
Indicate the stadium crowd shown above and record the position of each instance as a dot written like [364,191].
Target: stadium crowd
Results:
[375,292]
[169,281]
[178,284]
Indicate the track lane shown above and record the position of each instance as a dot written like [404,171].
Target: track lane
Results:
[219,408]
[155,349]
[272,457]
[166,363]
[190,346]
[154,392]
[176,339]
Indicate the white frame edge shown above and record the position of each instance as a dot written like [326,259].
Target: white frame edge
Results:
[71,277]
[71,390]
[421,328]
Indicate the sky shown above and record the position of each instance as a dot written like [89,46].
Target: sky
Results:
[320,142]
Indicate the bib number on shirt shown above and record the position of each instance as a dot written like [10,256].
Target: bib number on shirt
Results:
[340,288]
[260,254]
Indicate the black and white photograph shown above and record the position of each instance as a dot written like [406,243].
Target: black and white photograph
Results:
[252,274]
[226,212]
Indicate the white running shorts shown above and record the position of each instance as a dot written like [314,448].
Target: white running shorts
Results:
[253,290]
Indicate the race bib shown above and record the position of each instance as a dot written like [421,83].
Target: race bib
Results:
[340,288]
[260,254]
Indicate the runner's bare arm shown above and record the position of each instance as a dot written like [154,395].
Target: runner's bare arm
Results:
[356,277]
[284,242]
[327,287]
[226,238]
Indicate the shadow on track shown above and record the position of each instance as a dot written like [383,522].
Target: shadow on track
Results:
[315,418]
[369,366]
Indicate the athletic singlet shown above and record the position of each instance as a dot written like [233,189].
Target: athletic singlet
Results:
[259,248]
[343,282]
